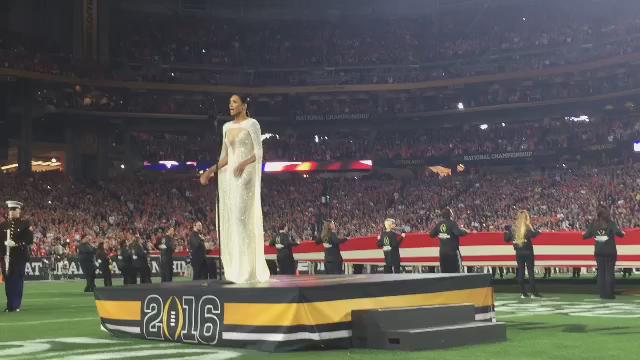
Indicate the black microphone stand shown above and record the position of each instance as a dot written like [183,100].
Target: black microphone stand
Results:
[218,138]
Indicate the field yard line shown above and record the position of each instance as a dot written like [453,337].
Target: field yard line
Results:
[49,299]
[84,351]
[143,353]
[49,321]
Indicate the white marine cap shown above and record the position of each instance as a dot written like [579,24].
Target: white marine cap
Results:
[11,204]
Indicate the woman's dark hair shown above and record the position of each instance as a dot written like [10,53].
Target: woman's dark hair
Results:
[245,99]
[123,243]
[603,215]
[446,213]
[282,226]
[101,246]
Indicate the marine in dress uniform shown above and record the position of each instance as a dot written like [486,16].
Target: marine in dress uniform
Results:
[15,239]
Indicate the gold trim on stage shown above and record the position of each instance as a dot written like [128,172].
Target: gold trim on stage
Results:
[119,310]
[336,311]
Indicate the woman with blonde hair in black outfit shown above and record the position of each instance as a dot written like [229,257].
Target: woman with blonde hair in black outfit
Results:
[520,235]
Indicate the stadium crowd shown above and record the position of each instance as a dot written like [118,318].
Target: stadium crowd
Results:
[198,49]
[549,134]
[63,211]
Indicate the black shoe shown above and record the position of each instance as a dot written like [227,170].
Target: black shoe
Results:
[524,295]
[536,295]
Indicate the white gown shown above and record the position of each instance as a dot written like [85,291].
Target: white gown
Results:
[241,230]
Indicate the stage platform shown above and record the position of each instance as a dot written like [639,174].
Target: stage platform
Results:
[287,313]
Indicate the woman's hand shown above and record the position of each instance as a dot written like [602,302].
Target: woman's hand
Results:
[208,175]
[239,169]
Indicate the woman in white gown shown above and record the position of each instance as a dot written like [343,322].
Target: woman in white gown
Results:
[240,171]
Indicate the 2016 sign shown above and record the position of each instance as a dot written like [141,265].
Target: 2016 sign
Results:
[182,319]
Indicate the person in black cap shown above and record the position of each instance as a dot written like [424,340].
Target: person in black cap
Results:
[449,234]
[125,263]
[104,264]
[167,247]
[198,253]
[285,243]
[140,255]
[521,235]
[390,240]
[15,238]
[604,231]
[87,260]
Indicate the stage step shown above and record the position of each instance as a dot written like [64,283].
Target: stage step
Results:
[476,332]
[422,328]
[368,326]
[413,317]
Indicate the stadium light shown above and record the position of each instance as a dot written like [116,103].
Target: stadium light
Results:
[269,136]
[121,166]
[168,163]
[460,106]
[484,127]
[581,118]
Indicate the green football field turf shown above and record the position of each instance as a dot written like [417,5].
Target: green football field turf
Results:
[59,321]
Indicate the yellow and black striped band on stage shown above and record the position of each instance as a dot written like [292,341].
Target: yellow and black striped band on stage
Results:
[287,312]
[309,313]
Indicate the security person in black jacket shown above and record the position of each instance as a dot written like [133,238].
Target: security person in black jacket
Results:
[332,256]
[390,240]
[449,234]
[198,253]
[15,238]
[125,263]
[104,264]
[285,243]
[604,231]
[87,259]
[167,247]
[521,235]
[140,256]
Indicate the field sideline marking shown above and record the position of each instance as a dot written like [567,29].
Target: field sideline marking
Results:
[50,321]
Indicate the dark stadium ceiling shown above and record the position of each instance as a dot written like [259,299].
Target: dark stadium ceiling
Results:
[289,9]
